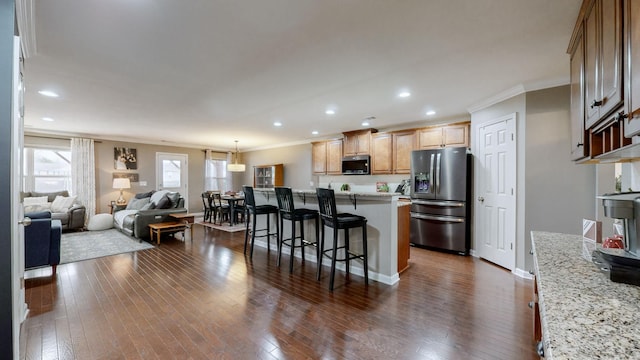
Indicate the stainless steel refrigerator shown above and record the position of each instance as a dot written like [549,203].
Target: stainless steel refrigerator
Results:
[440,199]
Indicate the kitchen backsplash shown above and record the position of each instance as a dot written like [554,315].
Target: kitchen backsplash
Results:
[360,183]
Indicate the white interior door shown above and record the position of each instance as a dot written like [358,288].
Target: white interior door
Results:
[19,306]
[172,174]
[495,192]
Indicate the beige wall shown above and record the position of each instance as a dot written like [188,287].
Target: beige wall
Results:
[146,171]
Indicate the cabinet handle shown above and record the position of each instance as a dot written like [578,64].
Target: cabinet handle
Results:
[540,348]
[620,116]
[596,103]
[530,304]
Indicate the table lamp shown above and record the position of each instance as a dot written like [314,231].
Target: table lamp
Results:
[121,183]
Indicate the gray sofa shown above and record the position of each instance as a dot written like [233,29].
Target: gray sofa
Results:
[147,208]
[72,218]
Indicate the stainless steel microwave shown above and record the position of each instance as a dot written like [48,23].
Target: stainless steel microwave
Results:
[356,165]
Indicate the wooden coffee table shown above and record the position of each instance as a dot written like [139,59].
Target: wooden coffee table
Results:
[187,219]
[165,227]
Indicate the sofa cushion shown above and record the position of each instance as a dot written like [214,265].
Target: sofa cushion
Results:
[62,204]
[62,216]
[174,197]
[149,206]
[51,195]
[100,222]
[37,207]
[137,204]
[39,200]
[164,203]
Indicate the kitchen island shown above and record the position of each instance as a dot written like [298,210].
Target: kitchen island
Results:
[583,314]
[381,211]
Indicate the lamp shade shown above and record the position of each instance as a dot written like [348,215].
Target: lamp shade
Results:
[121,183]
[236,167]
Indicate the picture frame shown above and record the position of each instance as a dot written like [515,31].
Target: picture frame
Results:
[133,177]
[125,158]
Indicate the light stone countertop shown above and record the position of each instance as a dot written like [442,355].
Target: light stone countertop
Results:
[340,193]
[583,314]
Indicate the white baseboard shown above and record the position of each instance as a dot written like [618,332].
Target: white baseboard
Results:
[522,273]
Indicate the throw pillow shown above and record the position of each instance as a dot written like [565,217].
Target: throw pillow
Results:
[34,200]
[137,204]
[144,195]
[163,203]
[157,196]
[100,222]
[148,206]
[37,208]
[62,204]
[174,197]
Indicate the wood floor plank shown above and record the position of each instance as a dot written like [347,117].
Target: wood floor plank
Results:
[205,299]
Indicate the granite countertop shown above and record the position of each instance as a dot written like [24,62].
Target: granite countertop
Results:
[583,314]
[339,193]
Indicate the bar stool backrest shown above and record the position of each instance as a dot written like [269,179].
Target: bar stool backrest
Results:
[249,199]
[285,199]
[327,205]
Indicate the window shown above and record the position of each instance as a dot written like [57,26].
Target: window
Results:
[46,170]
[215,175]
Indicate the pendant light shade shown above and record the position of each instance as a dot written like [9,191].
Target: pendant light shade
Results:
[235,167]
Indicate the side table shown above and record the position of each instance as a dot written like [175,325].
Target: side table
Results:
[186,219]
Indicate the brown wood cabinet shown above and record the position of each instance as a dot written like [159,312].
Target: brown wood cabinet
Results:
[326,157]
[357,142]
[404,142]
[631,11]
[381,153]
[443,136]
[603,59]
[268,176]
[579,141]
[404,218]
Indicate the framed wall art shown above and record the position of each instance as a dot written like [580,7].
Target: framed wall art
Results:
[125,158]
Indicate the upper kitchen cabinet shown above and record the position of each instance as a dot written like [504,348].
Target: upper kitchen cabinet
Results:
[632,67]
[381,150]
[602,59]
[579,145]
[436,137]
[326,157]
[358,142]
[404,142]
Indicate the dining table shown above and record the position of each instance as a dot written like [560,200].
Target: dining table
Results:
[232,200]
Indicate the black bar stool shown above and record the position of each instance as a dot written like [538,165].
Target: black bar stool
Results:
[289,212]
[331,218]
[254,210]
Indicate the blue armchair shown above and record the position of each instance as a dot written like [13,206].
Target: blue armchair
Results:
[42,241]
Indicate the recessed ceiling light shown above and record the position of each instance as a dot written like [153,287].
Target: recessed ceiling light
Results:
[431,112]
[277,123]
[48,93]
[330,112]
[47,119]
[314,132]
[365,123]
[404,94]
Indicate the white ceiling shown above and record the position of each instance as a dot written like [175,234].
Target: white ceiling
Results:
[204,73]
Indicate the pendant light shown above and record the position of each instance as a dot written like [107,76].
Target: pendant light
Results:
[235,167]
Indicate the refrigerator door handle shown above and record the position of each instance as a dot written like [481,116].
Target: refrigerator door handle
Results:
[432,174]
[437,177]
[436,218]
[437,203]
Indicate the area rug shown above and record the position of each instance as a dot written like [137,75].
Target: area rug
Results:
[78,246]
[224,227]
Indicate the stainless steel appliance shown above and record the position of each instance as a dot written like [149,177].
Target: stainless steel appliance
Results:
[440,199]
[622,265]
[356,165]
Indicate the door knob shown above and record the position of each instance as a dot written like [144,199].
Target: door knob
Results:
[26,221]
[480,198]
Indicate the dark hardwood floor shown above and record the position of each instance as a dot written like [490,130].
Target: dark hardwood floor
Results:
[205,300]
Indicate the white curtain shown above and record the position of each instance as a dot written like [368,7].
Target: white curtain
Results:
[83,174]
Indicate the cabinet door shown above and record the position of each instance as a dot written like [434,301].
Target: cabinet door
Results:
[430,138]
[350,143]
[363,146]
[579,149]
[457,135]
[403,144]
[381,153]
[603,59]
[334,157]
[632,67]
[319,157]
